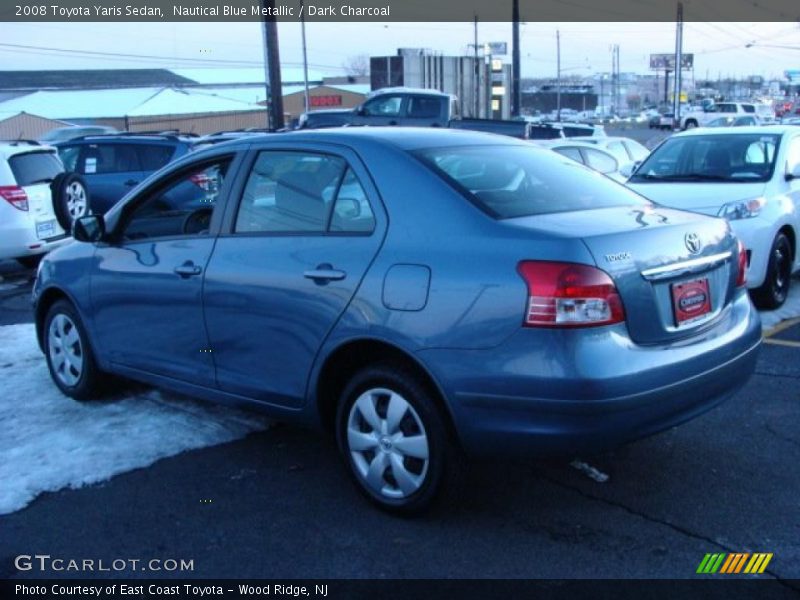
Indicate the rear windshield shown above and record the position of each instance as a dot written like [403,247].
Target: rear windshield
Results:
[35,167]
[724,158]
[518,181]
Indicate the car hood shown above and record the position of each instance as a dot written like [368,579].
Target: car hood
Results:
[706,198]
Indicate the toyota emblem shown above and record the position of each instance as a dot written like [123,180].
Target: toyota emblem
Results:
[693,242]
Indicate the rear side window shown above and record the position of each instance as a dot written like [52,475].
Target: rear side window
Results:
[599,161]
[109,158]
[303,192]
[152,156]
[35,167]
[423,108]
[573,153]
[515,181]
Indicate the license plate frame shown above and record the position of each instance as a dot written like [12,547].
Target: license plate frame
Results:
[691,300]
[46,229]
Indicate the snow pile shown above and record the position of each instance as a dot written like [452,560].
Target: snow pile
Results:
[50,442]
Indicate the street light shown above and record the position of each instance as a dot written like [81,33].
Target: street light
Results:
[757,45]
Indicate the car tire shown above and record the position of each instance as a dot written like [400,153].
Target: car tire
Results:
[381,409]
[775,289]
[70,357]
[70,199]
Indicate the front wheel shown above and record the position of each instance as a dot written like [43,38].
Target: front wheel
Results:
[69,356]
[775,289]
[395,440]
[690,124]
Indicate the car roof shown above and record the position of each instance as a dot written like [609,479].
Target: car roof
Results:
[405,138]
[765,129]
[8,149]
[597,139]
[565,142]
[130,137]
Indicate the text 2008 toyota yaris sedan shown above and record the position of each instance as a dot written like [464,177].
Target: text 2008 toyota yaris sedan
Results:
[424,294]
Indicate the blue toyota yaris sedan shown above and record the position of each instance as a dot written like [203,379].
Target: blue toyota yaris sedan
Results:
[427,295]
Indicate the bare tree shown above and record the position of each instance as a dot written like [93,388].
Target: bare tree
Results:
[357,66]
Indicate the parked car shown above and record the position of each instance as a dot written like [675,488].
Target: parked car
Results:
[595,158]
[38,201]
[321,287]
[701,118]
[667,121]
[745,121]
[63,134]
[624,149]
[751,176]
[113,164]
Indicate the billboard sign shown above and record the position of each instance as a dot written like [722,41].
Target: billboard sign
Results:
[497,48]
[666,62]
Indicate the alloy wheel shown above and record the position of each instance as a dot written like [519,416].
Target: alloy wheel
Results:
[65,350]
[76,200]
[387,443]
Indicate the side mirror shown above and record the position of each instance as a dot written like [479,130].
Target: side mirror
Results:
[348,208]
[629,169]
[793,171]
[90,228]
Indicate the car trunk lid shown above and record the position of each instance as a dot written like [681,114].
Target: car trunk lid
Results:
[675,271]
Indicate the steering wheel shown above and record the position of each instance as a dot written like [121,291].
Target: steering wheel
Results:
[197,221]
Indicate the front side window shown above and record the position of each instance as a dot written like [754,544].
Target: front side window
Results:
[183,207]
[303,192]
[514,181]
[725,158]
[385,106]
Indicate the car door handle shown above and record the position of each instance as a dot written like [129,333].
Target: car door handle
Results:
[392,122]
[188,269]
[131,182]
[324,273]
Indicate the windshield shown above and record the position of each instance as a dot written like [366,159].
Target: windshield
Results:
[515,181]
[746,157]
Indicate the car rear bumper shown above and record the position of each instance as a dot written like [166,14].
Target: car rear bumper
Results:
[592,390]
[21,241]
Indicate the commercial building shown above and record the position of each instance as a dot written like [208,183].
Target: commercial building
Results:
[482,85]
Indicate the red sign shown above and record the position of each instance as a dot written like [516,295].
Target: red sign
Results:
[690,300]
[326,101]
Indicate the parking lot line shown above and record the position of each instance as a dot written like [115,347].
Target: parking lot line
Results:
[789,343]
[780,327]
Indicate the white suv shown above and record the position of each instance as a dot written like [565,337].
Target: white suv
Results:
[700,118]
[38,201]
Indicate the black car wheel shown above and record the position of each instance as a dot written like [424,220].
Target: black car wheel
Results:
[395,440]
[70,199]
[773,292]
[69,356]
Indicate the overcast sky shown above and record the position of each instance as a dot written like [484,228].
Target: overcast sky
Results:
[719,48]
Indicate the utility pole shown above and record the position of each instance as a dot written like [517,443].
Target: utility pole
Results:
[558,75]
[516,98]
[305,54]
[676,100]
[272,66]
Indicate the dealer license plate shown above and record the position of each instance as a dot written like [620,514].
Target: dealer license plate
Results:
[690,300]
[46,229]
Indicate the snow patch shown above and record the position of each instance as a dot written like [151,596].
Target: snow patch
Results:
[51,442]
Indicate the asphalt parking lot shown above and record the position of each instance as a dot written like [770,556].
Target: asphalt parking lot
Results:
[277,503]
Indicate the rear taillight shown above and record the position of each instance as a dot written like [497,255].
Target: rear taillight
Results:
[201,180]
[15,196]
[569,295]
[741,276]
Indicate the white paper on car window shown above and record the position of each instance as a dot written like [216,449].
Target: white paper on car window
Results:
[90,166]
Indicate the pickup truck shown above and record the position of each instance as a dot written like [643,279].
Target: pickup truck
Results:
[410,107]
[699,118]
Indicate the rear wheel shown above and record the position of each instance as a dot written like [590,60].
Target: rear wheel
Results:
[691,124]
[773,292]
[69,356]
[395,440]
